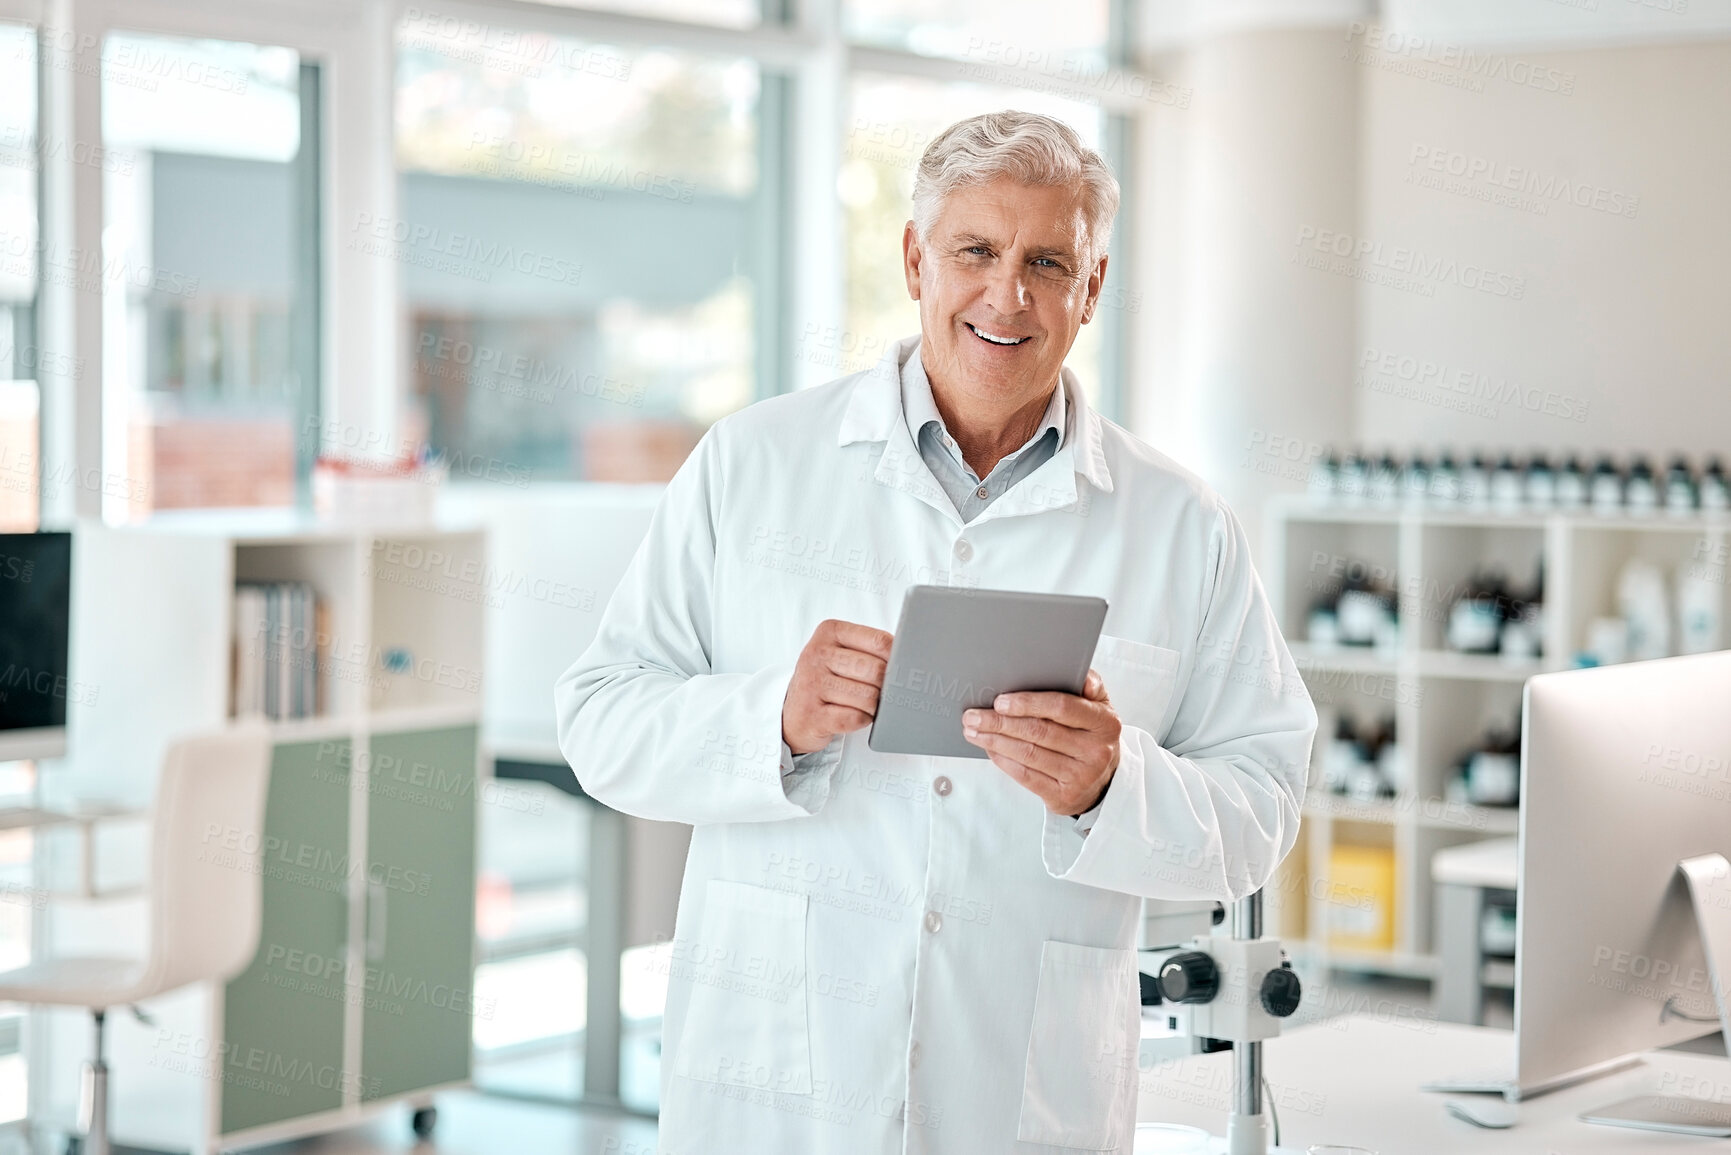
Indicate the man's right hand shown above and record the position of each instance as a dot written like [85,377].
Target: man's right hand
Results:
[835,684]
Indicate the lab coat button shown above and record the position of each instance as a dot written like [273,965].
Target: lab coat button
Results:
[934,921]
[942,786]
[982,493]
[964,551]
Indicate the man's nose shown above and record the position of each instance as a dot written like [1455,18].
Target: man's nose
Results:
[1006,289]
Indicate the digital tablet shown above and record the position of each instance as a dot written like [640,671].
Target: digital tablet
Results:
[957,649]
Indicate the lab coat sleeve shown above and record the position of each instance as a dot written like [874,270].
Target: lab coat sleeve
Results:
[647,724]
[1209,813]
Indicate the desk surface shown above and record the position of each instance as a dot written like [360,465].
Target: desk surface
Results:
[1494,863]
[1355,1080]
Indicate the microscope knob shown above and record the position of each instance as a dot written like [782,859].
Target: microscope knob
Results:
[1280,992]
[1190,977]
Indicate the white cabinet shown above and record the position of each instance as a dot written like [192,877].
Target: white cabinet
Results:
[1441,701]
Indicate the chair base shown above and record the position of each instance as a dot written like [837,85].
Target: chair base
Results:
[93,1101]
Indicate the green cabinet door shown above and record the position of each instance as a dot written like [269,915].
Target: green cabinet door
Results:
[416,1016]
[283,1016]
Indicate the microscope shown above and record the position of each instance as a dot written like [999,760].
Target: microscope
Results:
[1219,992]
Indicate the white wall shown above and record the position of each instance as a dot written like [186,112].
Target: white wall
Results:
[1627,314]
[1606,324]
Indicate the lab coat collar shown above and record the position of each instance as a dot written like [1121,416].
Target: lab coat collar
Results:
[874,413]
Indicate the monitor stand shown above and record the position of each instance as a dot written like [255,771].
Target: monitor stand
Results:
[1709,881]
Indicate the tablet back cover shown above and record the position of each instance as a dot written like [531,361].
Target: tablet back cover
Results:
[957,648]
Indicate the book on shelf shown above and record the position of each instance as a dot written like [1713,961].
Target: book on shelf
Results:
[278,667]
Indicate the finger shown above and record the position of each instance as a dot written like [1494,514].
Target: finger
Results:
[842,719]
[838,691]
[1040,731]
[1057,766]
[857,637]
[1094,689]
[857,665]
[1044,785]
[1068,709]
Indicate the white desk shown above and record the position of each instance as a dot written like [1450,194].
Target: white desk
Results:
[1466,877]
[1355,1080]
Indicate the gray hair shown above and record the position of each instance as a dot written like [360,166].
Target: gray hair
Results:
[1024,146]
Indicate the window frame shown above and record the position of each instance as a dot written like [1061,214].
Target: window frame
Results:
[799,45]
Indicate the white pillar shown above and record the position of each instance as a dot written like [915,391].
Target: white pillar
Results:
[1267,342]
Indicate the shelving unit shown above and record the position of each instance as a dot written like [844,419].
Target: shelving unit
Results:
[372,808]
[1442,701]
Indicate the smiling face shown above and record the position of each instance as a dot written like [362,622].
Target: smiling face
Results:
[1005,279]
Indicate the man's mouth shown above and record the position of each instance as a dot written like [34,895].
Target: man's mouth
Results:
[994,338]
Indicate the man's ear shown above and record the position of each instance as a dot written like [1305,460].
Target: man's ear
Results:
[912,255]
[1096,282]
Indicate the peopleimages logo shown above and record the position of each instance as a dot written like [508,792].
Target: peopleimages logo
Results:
[1487,178]
[1403,267]
[1457,387]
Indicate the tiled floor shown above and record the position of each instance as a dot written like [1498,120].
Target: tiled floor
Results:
[471,1123]
[474,1124]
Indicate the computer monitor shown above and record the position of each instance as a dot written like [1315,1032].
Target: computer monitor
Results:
[1625,771]
[35,618]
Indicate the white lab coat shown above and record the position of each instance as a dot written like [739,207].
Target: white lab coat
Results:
[908,954]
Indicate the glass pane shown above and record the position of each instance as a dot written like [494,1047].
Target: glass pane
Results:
[19,355]
[583,252]
[1045,38]
[891,121]
[199,248]
[531,913]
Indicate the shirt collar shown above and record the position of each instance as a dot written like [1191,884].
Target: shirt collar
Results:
[921,408]
[874,409]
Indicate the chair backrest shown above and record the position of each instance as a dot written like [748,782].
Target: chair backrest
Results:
[206,863]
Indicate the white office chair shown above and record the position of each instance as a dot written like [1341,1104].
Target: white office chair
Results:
[207,829]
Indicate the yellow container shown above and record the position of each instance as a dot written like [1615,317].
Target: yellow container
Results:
[1357,902]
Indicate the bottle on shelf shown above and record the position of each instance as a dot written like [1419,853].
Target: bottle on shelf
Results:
[1715,492]
[1354,480]
[1384,481]
[1324,478]
[1475,621]
[1445,480]
[1475,482]
[1679,488]
[1541,483]
[1415,480]
[1354,759]
[1606,488]
[1572,485]
[1641,493]
[1700,609]
[1385,754]
[1490,773]
[1508,491]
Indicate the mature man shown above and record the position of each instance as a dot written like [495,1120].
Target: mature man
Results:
[888,953]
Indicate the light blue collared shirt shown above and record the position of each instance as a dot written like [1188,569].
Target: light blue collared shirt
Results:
[939,451]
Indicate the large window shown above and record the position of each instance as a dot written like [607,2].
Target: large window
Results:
[206,371]
[20,355]
[587,240]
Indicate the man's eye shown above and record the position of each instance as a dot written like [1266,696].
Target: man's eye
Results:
[979,250]
[1048,262]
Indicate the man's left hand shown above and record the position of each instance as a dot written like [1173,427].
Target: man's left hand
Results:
[1062,747]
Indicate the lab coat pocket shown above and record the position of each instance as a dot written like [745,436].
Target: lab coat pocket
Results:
[746,1022]
[1080,1081]
[1140,680]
